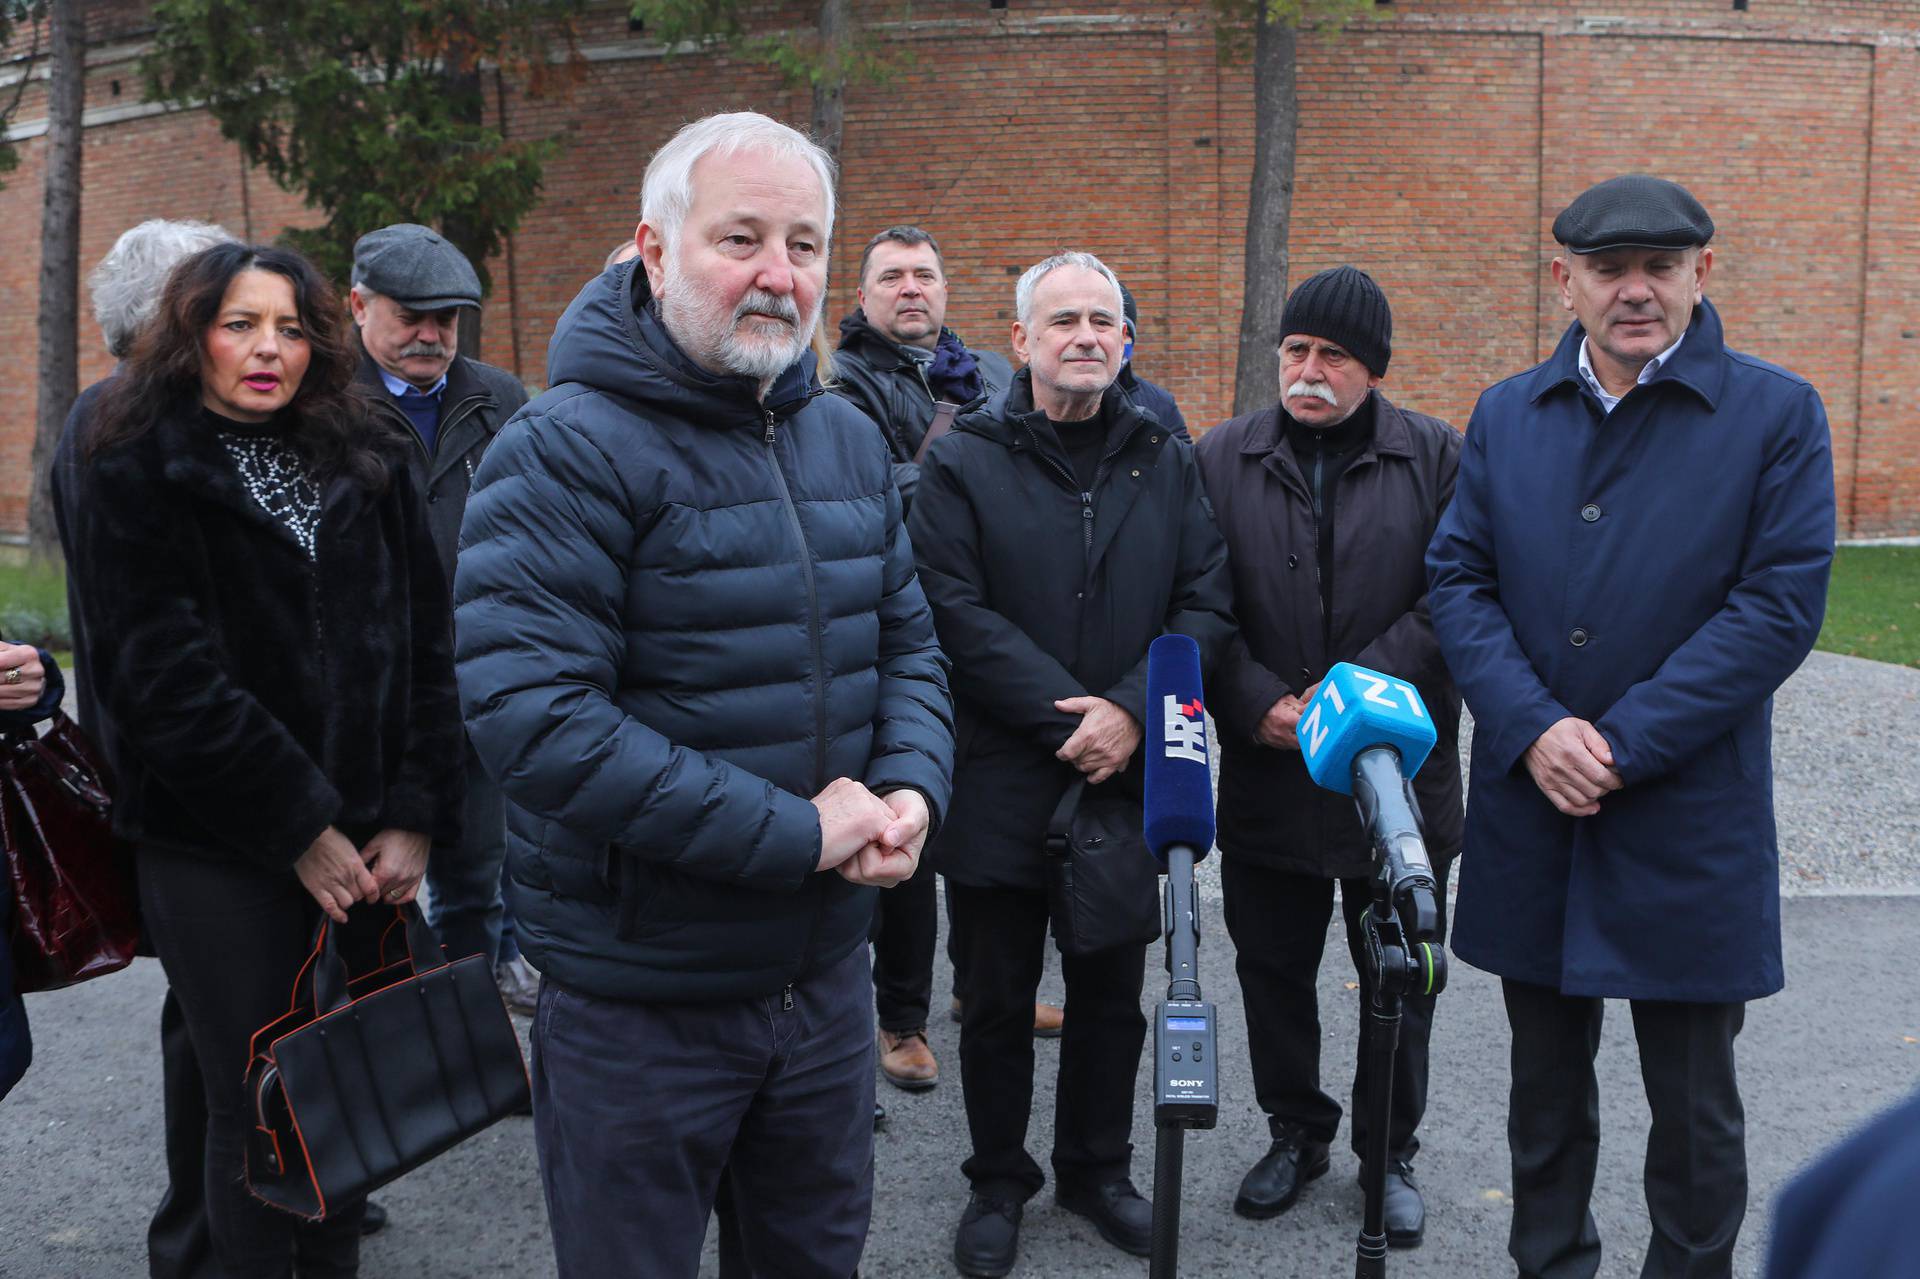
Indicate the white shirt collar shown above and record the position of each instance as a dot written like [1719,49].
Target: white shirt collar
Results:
[1607,401]
[398,387]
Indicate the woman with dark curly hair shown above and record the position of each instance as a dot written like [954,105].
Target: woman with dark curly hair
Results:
[271,650]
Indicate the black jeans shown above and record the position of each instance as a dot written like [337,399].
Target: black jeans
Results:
[1278,922]
[906,923]
[1696,1168]
[639,1107]
[1001,933]
[178,1243]
[232,937]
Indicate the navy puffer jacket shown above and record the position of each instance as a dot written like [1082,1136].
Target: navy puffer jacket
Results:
[678,615]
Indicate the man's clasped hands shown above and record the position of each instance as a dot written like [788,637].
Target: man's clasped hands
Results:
[870,839]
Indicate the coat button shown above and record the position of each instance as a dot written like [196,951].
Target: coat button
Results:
[1306,677]
[1578,638]
[1293,561]
[1136,475]
[432,498]
[1153,439]
[1589,512]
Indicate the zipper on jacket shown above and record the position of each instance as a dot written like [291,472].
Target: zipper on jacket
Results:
[1086,503]
[786,998]
[813,613]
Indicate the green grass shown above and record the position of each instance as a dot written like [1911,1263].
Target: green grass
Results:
[33,606]
[1873,606]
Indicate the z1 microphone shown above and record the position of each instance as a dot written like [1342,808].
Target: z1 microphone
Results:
[1364,734]
[1179,782]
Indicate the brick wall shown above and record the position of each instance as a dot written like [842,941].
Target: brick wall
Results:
[1438,139]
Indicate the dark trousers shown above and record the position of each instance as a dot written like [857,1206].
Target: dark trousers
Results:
[906,922]
[231,938]
[1002,933]
[465,904]
[639,1107]
[1696,1168]
[1278,922]
[178,1243]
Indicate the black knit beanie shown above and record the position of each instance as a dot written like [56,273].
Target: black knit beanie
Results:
[1346,307]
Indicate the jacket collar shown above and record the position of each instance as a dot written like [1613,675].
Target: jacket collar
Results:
[1007,413]
[1699,365]
[194,458]
[462,381]
[1392,436]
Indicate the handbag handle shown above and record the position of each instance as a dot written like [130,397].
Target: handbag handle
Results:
[323,979]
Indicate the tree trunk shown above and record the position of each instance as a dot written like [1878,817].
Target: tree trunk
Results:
[830,89]
[1276,119]
[59,372]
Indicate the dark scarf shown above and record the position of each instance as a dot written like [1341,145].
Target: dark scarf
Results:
[954,374]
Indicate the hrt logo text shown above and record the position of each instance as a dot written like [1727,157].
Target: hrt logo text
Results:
[1186,729]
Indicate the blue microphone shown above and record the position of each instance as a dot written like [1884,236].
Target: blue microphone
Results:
[1179,830]
[1179,782]
[1364,734]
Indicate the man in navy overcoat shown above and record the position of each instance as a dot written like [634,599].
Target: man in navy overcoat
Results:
[1636,557]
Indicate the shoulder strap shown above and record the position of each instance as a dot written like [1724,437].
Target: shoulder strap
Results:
[943,415]
[1060,825]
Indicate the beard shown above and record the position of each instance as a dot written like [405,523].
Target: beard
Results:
[733,339]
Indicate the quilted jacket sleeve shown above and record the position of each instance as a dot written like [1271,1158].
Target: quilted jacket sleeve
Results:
[539,598]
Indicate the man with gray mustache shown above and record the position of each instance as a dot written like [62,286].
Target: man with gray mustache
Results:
[1327,501]
[409,287]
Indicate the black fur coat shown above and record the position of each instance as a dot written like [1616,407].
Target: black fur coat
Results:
[255,693]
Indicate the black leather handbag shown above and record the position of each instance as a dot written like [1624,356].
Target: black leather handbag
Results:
[367,1078]
[1103,886]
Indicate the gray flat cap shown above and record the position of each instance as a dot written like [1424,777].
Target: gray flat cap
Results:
[416,266]
[1633,212]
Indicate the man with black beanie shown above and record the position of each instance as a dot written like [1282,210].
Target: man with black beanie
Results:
[1327,501]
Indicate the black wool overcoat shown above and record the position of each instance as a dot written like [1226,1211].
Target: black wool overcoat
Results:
[1041,593]
[1386,506]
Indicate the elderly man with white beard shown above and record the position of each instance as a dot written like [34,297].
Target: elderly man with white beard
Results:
[693,651]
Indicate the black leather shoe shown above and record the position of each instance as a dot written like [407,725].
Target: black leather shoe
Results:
[1405,1209]
[988,1238]
[879,1116]
[374,1220]
[1120,1213]
[1271,1186]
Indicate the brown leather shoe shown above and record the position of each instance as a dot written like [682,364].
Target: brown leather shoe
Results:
[906,1060]
[1047,1021]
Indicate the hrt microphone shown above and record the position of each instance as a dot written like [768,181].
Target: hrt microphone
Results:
[1364,734]
[1179,781]
[1179,831]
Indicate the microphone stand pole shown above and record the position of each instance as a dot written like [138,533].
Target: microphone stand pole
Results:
[1169,1135]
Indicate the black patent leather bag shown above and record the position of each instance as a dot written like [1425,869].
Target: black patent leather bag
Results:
[367,1078]
[1103,886]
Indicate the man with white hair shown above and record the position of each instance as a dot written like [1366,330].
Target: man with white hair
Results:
[693,652]
[1059,531]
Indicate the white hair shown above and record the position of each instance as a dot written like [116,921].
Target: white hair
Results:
[666,193]
[126,285]
[1023,291]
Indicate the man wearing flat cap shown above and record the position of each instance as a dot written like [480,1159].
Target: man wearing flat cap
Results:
[409,285]
[1327,501]
[1636,557]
